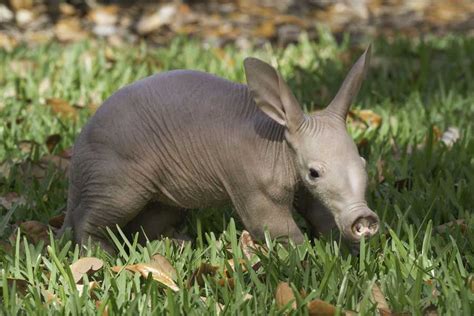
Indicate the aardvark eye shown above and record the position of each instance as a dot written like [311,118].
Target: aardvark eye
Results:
[313,173]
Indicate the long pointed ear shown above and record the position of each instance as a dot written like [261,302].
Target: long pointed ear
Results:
[272,95]
[350,87]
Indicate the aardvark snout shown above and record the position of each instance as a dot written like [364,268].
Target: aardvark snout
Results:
[359,222]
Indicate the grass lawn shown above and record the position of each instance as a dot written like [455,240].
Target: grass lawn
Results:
[416,90]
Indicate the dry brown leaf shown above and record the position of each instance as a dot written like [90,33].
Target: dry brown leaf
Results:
[380,300]
[430,311]
[266,30]
[321,308]
[38,170]
[21,285]
[52,141]
[470,283]
[61,107]
[6,247]
[110,56]
[161,262]
[104,14]
[106,309]
[69,30]
[204,269]
[149,23]
[66,153]
[404,184]
[67,9]
[22,67]
[35,231]
[7,42]
[44,86]
[247,296]
[21,4]
[145,269]
[284,295]
[26,146]
[10,199]
[57,221]
[92,286]
[450,136]
[461,223]
[86,265]
[231,263]
[364,118]
[247,244]
[49,297]
[59,162]
[380,165]
[229,282]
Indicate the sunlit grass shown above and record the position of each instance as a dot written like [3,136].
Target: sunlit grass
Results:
[416,87]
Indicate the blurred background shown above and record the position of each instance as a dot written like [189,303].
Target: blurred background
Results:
[245,23]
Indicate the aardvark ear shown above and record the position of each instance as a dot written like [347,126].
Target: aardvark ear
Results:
[272,95]
[350,87]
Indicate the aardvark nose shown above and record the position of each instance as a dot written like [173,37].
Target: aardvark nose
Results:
[365,226]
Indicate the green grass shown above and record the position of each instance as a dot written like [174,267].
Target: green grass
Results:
[414,85]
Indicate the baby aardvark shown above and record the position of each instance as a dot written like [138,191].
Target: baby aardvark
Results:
[185,139]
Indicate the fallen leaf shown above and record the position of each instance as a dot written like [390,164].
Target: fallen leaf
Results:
[380,300]
[35,231]
[228,282]
[67,9]
[22,67]
[52,141]
[321,308]
[157,273]
[266,30]
[364,118]
[61,107]
[10,199]
[430,311]
[20,285]
[69,30]
[49,297]
[7,42]
[24,17]
[104,15]
[284,295]
[6,247]
[105,312]
[231,263]
[450,136]
[57,221]
[149,23]
[247,244]
[470,283]
[91,287]
[44,86]
[57,161]
[86,265]
[204,269]
[404,184]
[380,165]
[21,4]
[247,297]
[39,169]
[66,153]
[163,263]
[461,223]
[26,146]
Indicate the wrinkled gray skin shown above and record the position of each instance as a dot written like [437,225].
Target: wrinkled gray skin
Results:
[185,139]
